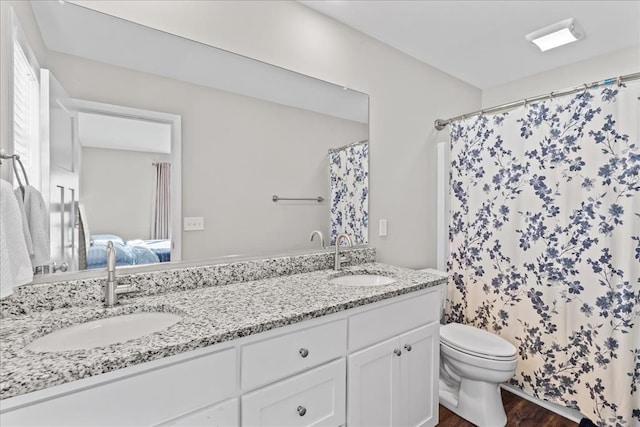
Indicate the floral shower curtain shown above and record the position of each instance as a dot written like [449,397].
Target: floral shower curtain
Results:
[545,245]
[161,221]
[349,175]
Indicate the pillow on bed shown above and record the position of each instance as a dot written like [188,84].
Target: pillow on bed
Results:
[105,238]
[97,254]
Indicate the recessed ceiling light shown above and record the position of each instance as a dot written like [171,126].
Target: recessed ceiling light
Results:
[555,35]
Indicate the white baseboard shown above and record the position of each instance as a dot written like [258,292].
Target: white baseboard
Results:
[568,413]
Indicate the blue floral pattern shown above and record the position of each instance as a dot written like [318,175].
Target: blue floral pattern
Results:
[349,175]
[545,245]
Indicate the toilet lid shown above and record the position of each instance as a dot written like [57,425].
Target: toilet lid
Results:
[476,341]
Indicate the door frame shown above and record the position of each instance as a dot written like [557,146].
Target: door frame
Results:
[175,122]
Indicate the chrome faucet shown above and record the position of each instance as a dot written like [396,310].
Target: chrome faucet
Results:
[341,258]
[319,234]
[111,287]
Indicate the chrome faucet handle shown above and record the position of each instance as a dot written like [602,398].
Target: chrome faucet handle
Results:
[319,234]
[341,258]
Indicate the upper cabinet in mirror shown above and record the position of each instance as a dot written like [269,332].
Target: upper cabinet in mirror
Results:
[234,131]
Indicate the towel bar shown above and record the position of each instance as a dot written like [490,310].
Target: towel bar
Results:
[318,199]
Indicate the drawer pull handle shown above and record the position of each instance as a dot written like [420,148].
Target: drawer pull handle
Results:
[407,347]
[397,352]
[304,353]
[302,410]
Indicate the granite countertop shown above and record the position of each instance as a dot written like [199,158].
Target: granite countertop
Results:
[210,315]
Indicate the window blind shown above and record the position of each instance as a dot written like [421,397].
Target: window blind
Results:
[25,114]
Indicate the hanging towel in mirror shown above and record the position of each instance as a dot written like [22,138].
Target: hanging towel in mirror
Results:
[15,263]
[37,218]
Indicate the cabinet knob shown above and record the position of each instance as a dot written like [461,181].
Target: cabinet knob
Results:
[301,410]
[303,352]
[397,352]
[407,347]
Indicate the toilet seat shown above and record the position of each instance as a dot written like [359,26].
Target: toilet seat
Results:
[476,342]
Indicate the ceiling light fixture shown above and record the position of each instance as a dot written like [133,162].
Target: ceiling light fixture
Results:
[555,35]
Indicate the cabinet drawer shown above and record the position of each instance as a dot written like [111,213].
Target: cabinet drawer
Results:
[223,414]
[275,358]
[393,319]
[314,398]
[144,398]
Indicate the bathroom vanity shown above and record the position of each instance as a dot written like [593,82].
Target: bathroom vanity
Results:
[295,349]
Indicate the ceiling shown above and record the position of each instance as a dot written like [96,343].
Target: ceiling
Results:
[79,31]
[482,42]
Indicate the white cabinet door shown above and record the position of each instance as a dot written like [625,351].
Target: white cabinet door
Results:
[374,386]
[419,367]
[314,398]
[395,383]
[223,414]
[142,399]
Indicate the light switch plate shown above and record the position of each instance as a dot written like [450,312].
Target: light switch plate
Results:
[382,228]
[193,223]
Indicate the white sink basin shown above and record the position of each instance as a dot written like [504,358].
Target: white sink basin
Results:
[362,280]
[103,332]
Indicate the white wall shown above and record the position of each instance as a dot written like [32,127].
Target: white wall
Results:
[406,96]
[116,189]
[625,61]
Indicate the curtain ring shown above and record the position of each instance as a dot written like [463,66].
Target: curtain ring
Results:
[586,87]
[619,81]
[526,101]
[551,96]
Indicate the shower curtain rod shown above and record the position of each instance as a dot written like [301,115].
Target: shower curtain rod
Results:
[335,150]
[441,124]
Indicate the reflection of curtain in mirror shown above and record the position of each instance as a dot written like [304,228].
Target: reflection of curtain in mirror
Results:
[349,175]
[161,221]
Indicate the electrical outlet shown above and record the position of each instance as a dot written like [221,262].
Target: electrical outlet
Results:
[193,223]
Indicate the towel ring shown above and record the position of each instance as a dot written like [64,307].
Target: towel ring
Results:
[16,158]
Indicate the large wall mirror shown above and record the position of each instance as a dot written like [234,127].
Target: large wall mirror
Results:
[178,148]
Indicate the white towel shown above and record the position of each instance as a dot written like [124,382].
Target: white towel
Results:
[15,263]
[25,223]
[37,217]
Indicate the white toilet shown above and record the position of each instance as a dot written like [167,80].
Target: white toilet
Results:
[473,363]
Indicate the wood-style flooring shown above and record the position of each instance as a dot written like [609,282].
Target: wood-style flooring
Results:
[520,413]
